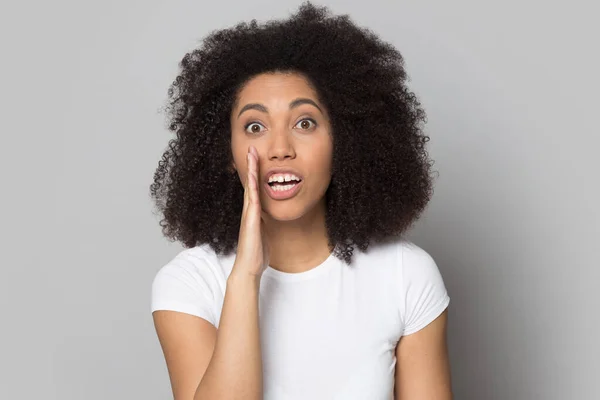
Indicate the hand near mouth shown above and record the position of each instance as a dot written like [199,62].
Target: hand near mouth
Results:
[252,250]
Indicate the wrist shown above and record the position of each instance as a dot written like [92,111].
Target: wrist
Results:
[243,277]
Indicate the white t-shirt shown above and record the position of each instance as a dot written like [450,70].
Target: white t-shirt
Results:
[327,333]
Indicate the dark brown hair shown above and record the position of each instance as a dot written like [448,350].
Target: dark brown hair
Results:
[381,174]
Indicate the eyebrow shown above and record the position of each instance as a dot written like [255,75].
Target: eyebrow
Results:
[296,103]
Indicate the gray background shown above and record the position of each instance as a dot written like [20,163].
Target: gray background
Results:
[511,90]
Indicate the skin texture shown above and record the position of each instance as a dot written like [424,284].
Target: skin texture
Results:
[422,366]
[299,138]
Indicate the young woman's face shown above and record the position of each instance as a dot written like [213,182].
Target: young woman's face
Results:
[280,115]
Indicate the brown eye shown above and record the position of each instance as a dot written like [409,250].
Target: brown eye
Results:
[254,127]
[305,124]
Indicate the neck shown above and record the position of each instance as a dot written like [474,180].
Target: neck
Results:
[299,245]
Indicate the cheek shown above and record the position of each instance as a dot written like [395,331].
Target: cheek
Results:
[239,148]
[320,163]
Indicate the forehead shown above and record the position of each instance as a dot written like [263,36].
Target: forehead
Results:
[275,86]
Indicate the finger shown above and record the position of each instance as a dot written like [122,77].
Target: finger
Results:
[253,180]
[250,190]
[246,186]
[256,169]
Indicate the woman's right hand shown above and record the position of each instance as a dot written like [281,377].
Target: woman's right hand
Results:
[252,249]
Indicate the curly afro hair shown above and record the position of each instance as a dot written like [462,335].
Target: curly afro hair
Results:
[381,175]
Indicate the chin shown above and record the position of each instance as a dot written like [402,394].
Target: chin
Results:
[283,213]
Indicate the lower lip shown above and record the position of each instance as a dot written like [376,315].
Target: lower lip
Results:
[282,194]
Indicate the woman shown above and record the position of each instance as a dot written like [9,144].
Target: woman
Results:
[295,142]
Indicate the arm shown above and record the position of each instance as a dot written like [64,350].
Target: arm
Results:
[422,366]
[206,363]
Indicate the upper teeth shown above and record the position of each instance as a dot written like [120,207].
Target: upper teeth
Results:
[282,178]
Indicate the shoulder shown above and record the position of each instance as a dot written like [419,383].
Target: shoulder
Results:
[405,276]
[422,292]
[193,281]
[188,264]
[415,259]
[194,263]
[396,261]
[397,253]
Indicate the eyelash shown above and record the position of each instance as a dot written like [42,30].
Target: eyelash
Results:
[304,119]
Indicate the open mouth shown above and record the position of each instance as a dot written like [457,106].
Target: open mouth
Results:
[283,190]
[283,186]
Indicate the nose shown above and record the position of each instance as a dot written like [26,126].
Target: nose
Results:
[281,146]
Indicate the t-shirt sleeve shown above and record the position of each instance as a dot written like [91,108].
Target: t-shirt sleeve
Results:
[184,286]
[424,295]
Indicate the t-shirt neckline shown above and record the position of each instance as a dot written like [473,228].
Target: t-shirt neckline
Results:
[301,276]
